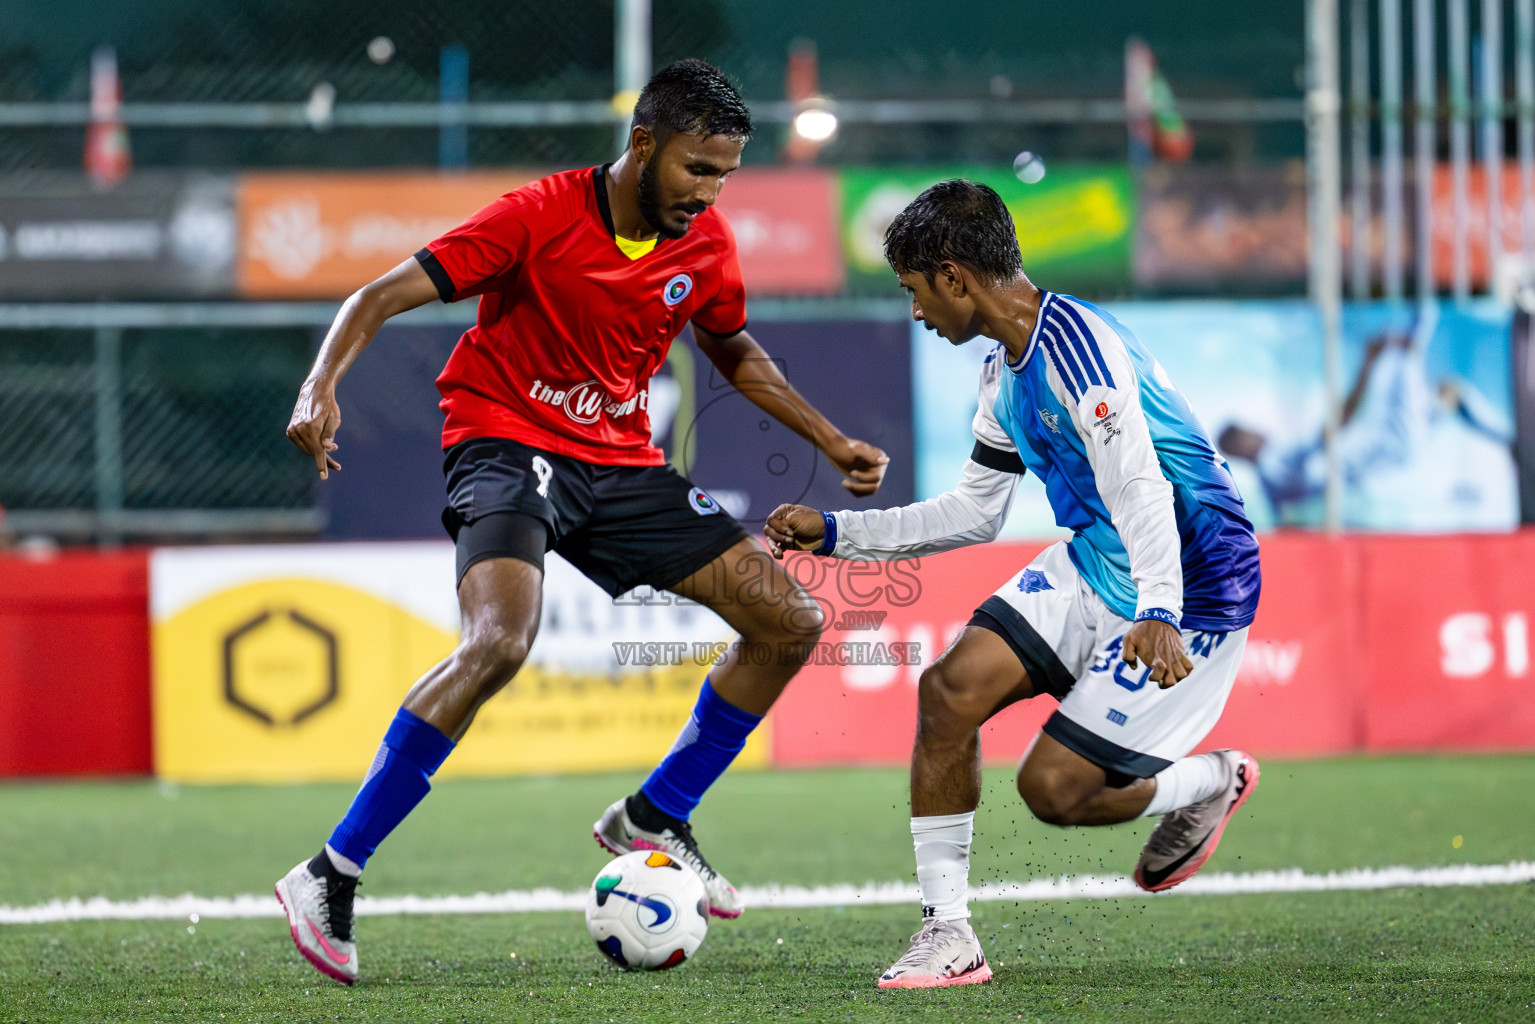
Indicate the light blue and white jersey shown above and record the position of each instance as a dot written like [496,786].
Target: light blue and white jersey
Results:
[1159,530]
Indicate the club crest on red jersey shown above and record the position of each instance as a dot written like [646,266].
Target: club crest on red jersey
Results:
[677,289]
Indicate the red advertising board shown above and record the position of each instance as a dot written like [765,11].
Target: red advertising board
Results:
[74,665]
[785,223]
[1510,221]
[1361,643]
[1447,630]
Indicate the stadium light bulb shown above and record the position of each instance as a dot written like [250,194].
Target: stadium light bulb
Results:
[816,123]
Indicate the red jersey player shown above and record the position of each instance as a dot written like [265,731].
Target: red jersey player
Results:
[585,279]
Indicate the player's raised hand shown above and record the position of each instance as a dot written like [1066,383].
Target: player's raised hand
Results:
[794,528]
[861,463]
[316,418]
[1161,646]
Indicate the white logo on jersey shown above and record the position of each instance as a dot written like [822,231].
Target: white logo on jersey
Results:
[1050,420]
[585,402]
[543,471]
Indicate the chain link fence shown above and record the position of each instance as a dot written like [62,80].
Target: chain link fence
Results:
[104,431]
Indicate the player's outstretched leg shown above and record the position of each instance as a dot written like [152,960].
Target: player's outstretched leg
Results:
[970,682]
[1188,835]
[500,601]
[772,614]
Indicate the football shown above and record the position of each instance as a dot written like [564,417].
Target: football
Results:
[646,911]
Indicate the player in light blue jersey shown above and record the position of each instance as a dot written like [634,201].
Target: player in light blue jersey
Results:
[1157,584]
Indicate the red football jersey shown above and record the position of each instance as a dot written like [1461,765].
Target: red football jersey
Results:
[570,329]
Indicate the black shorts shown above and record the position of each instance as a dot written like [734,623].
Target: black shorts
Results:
[622,526]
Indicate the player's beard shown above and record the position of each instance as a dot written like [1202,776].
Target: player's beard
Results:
[650,204]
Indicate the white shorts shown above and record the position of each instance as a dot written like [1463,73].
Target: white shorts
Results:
[1110,713]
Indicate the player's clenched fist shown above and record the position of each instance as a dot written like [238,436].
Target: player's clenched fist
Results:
[862,465]
[1160,646]
[316,417]
[794,528]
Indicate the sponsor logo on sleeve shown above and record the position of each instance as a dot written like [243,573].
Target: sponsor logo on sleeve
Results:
[700,502]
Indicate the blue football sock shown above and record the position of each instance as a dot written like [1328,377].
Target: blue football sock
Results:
[714,735]
[412,751]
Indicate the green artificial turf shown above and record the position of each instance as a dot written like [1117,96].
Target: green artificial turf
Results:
[1457,954]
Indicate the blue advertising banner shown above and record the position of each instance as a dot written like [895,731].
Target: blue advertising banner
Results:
[1426,443]
[857,372]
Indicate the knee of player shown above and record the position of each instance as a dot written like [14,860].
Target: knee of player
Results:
[1045,800]
[944,702]
[799,620]
[498,650]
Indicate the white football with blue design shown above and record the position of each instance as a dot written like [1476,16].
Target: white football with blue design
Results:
[647,912]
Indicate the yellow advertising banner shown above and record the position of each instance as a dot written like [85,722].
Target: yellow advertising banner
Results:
[285,664]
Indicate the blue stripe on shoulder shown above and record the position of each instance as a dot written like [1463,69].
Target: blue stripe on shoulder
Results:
[1073,378]
[1092,343]
[1069,333]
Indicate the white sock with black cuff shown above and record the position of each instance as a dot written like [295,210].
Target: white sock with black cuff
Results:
[1186,781]
[942,843]
[345,865]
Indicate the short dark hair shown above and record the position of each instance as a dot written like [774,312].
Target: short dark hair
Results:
[691,97]
[958,220]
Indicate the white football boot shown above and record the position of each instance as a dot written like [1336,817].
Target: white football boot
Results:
[1185,838]
[943,953]
[618,834]
[319,907]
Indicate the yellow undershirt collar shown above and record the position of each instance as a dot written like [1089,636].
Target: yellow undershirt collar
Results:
[634,250]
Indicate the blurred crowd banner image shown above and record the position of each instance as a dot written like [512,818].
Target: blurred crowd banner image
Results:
[154,236]
[1427,439]
[1075,227]
[325,235]
[276,664]
[1210,229]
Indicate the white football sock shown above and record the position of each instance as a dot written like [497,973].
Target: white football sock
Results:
[943,863]
[1187,781]
[345,865]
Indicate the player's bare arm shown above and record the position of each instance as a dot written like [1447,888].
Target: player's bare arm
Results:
[316,415]
[743,362]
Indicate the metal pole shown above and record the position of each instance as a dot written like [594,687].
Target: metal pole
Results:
[109,432]
[1423,136]
[1324,185]
[1392,199]
[1492,132]
[1359,148]
[453,94]
[1524,15]
[1460,146]
[631,60]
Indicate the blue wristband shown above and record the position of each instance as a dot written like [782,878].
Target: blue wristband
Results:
[1160,614]
[829,543]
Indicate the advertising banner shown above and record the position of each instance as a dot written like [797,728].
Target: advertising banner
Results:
[322,236]
[1297,692]
[1074,225]
[154,236]
[1426,443]
[1447,630]
[277,664]
[325,235]
[1202,228]
[1502,272]
[785,223]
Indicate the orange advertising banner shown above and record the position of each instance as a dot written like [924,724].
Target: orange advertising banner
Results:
[322,236]
[1510,224]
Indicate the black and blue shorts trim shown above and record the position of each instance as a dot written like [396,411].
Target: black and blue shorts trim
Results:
[1121,764]
[622,526]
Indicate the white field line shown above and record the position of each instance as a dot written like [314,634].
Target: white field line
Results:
[790,896]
